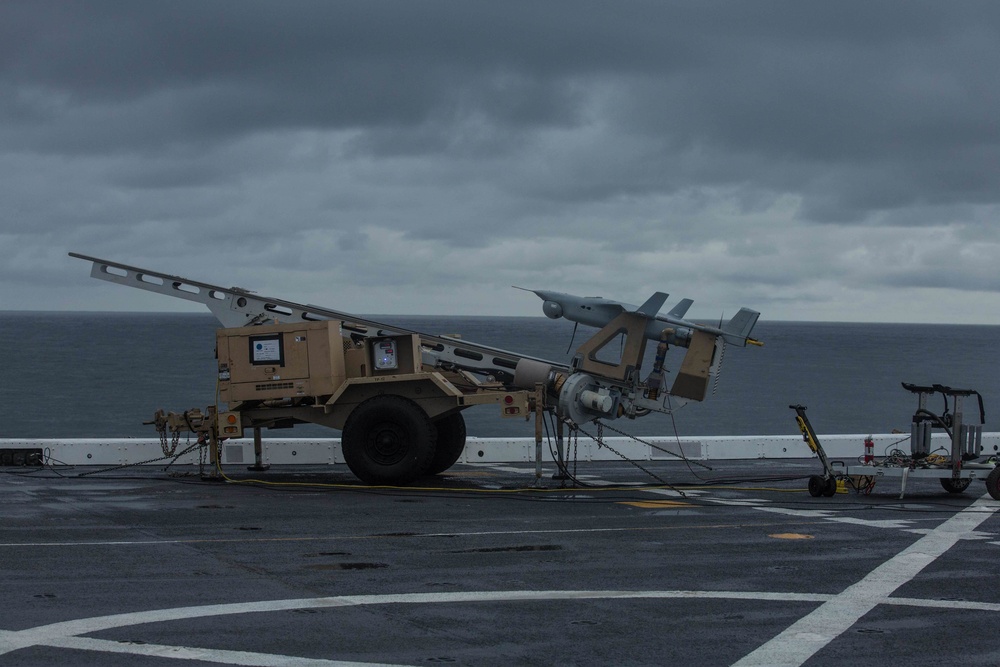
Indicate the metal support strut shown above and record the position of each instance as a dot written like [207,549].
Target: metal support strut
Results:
[258,453]
[819,485]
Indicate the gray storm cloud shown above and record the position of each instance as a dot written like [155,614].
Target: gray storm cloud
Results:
[824,160]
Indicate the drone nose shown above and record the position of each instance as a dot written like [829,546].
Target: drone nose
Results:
[552,310]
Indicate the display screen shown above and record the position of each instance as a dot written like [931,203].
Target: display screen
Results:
[267,349]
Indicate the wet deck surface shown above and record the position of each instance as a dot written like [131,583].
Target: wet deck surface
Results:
[141,568]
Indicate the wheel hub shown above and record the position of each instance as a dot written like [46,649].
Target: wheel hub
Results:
[387,445]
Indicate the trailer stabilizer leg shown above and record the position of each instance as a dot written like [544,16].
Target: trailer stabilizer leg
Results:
[258,453]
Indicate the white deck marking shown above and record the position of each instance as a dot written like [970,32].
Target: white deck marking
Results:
[335,538]
[899,524]
[520,471]
[589,480]
[205,654]
[675,493]
[51,635]
[805,637]
[905,525]
[806,514]
[738,502]
[66,634]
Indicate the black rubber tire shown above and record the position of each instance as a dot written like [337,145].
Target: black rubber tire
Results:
[830,488]
[955,485]
[450,443]
[388,440]
[993,483]
[816,486]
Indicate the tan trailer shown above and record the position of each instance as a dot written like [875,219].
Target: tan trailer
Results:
[399,419]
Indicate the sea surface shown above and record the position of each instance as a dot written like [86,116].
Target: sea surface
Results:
[100,375]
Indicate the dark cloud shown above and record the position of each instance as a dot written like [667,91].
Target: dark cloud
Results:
[752,147]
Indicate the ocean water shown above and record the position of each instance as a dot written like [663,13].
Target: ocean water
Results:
[98,375]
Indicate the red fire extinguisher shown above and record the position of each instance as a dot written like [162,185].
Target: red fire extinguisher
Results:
[869,451]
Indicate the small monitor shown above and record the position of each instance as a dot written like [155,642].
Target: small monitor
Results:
[267,349]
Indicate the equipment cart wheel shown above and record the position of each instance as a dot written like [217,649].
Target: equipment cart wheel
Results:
[993,483]
[388,440]
[450,443]
[830,488]
[955,485]
[817,485]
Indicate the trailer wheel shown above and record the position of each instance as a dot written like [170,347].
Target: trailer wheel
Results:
[993,483]
[450,443]
[955,485]
[816,486]
[388,440]
[830,487]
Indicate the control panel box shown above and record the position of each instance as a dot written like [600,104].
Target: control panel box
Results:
[280,361]
[308,359]
[394,355]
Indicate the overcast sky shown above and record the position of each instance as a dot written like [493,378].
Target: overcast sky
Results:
[811,160]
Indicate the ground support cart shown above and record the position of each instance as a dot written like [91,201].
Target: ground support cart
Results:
[865,476]
[955,469]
